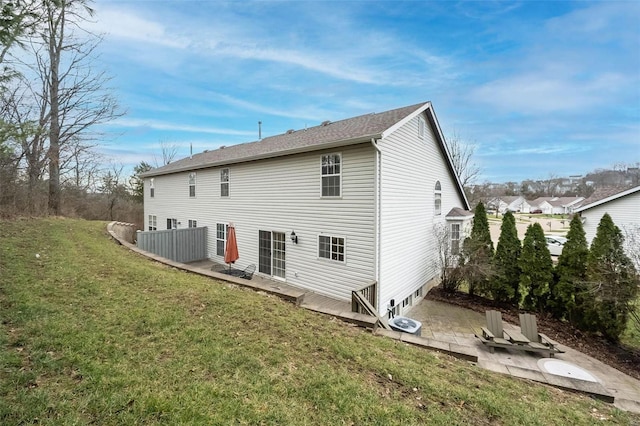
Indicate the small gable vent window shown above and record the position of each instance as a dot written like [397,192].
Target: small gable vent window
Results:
[437,196]
[422,128]
[152,189]
[192,184]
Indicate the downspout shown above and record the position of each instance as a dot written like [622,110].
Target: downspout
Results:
[377,221]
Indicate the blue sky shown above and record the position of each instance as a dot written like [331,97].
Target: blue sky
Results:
[539,88]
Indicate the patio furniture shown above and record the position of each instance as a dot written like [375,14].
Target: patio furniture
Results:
[248,272]
[493,334]
[529,327]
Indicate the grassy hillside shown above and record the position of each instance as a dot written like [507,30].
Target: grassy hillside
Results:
[92,333]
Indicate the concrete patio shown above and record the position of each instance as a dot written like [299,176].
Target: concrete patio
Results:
[458,325]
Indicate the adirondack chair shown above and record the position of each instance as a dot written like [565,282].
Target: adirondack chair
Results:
[529,327]
[493,334]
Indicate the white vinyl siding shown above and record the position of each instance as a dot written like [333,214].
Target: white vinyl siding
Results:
[281,195]
[623,212]
[410,166]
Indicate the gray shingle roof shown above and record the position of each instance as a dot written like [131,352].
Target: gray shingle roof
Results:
[344,132]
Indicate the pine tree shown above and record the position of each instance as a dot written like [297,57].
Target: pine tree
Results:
[570,273]
[536,269]
[478,253]
[612,277]
[504,286]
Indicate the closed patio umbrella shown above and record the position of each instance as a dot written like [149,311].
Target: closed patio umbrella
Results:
[231,249]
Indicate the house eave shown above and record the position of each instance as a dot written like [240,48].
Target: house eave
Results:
[606,200]
[300,150]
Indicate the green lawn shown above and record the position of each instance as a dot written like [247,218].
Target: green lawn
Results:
[92,333]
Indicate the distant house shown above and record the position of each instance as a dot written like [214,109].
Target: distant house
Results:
[623,206]
[541,205]
[331,208]
[514,204]
[555,205]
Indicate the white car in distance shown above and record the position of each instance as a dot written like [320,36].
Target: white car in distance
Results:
[555,244]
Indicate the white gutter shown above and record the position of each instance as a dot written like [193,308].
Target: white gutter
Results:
[377,221]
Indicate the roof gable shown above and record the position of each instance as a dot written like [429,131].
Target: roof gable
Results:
[329,134]
[607,199]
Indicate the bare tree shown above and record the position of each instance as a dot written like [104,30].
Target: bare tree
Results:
[462,158]
[77,97]
[168,151]
[448,261]
[113,185]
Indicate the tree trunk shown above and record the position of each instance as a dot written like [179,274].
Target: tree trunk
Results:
[56,35]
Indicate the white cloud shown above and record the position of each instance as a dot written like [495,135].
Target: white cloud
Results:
[125,24]
[162,125]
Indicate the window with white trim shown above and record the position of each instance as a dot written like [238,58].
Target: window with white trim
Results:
[221,238]
[455,238]
[331,248]
[172,223]
[193,223]
[224,182]
[153,222]
[418,293]
[152,189]
[331,171]
[437,197]
[422,128]
[192,184]
[407,301]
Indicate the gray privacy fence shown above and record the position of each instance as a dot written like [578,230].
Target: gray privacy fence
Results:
[179,245]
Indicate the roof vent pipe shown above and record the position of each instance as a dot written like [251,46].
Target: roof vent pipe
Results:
[259,130]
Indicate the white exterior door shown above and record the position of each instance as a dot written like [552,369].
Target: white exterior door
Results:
[272,253]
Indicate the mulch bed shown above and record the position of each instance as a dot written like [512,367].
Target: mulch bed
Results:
[616,355]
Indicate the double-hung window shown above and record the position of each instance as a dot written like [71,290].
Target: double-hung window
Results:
[455,238]
[437,196]
[331,171]
[221,238]
[193,223]
[153,222]
[172,223]
[224,182]
[331,248]
[152,189]
[192,184]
